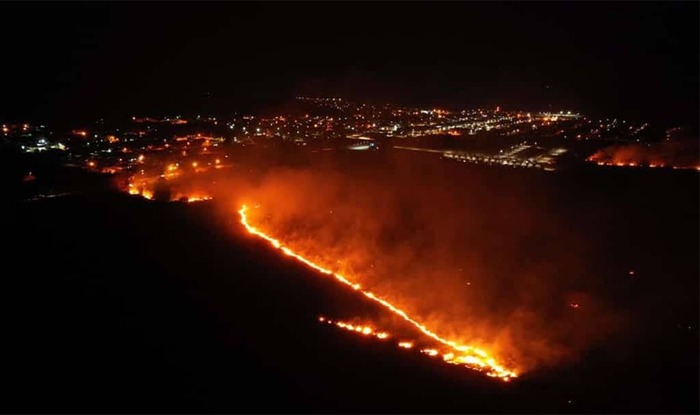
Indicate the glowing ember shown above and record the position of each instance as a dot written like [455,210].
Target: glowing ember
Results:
[143,193]
[360,329]
[198,198]
[470,356]
[430,352]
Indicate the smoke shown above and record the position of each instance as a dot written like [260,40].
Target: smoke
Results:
[676,153]
[486,261]
[485,258]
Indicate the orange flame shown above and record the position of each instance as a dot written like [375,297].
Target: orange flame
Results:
[144,193]
[364,330]
[470,356]
[198,198]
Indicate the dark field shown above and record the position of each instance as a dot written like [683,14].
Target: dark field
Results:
[115,303]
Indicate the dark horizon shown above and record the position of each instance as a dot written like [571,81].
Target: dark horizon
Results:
[78,62]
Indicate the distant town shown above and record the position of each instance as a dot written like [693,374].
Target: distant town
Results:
[494,136]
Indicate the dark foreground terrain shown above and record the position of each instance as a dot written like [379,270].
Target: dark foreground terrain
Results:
[115,303]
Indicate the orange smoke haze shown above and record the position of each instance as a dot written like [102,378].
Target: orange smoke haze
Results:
[678,154]
[479,265]
[481,261]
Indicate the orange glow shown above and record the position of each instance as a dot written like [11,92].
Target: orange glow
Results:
[198,198]
[365,330]
[143,193]
[640,156]
[469,356]
[430,352]
[653,165]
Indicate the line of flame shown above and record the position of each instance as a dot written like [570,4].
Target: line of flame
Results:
[482,360]
[364,330]
[367,330]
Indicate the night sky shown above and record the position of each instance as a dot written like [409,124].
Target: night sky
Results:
[78,62]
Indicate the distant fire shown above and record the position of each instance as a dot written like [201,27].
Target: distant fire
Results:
[650,165]
[466,355]
[667,154]
[148,194]
[142,192]
[198,198]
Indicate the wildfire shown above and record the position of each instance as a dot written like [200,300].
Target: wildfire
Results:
[448,357]
[469,356]
[671,155]
[148,194]
[141,192]
[633,164]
